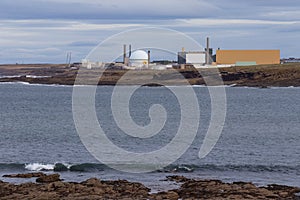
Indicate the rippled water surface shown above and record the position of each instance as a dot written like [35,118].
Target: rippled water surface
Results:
[260,140]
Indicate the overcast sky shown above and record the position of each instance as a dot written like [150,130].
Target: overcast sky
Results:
[40,31]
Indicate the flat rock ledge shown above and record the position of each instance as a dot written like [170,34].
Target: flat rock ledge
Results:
[51,187]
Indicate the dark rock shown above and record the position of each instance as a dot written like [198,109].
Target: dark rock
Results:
[121,189]
[177,179]
[48,178]
[56,185]
[130,189]
[170,195]
[92,182]
[215,189]
[28,175]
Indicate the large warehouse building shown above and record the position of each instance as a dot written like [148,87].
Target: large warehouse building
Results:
[247,57]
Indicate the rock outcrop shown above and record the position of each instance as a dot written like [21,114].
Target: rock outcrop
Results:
[48,178]
[28,175]
[50,187]
[215,189]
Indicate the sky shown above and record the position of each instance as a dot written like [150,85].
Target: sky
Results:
[44,31]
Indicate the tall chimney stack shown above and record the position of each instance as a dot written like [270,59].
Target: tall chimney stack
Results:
[207,51]
[124,53]
[148,58]
[129,50]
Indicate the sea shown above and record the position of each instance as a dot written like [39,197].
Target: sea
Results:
[260,141]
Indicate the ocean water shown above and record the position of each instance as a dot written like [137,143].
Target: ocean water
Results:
[260,141]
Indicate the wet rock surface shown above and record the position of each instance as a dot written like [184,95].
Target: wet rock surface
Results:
[215,189]
[28,175]
[121,189]
[48,178]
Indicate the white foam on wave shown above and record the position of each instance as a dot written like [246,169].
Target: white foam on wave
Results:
[27,76]
[44,167]
[15,82]
[39,167]
[288,87]
[34,84]
[22,82]
[215,86]
[13,76]
[33,76]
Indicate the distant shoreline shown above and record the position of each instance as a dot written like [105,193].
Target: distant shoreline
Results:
[285,75]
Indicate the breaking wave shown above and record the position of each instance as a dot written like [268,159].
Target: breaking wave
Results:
[59,167]
[39,167]
[94,167]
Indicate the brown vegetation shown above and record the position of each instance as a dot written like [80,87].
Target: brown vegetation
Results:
[253,76]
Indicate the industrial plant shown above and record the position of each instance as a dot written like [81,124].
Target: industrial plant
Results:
[204,58]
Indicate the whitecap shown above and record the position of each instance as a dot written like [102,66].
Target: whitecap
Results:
[33,76]
[39,167]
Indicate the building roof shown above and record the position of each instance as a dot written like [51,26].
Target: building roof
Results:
[139,55]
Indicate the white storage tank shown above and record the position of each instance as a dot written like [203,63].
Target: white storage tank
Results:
[138,58]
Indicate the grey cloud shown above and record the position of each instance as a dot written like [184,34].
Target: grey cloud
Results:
[83,44]
[295,28]
[60,26]
[114,9]
[148,10]
[257,9]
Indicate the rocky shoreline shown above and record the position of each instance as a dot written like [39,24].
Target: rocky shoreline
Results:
[253,76]
[50,186]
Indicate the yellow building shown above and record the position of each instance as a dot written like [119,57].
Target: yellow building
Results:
[248,57]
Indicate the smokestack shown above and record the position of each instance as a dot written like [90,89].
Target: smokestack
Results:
[148,58]
[124,53]
[207,51]
[129,50]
